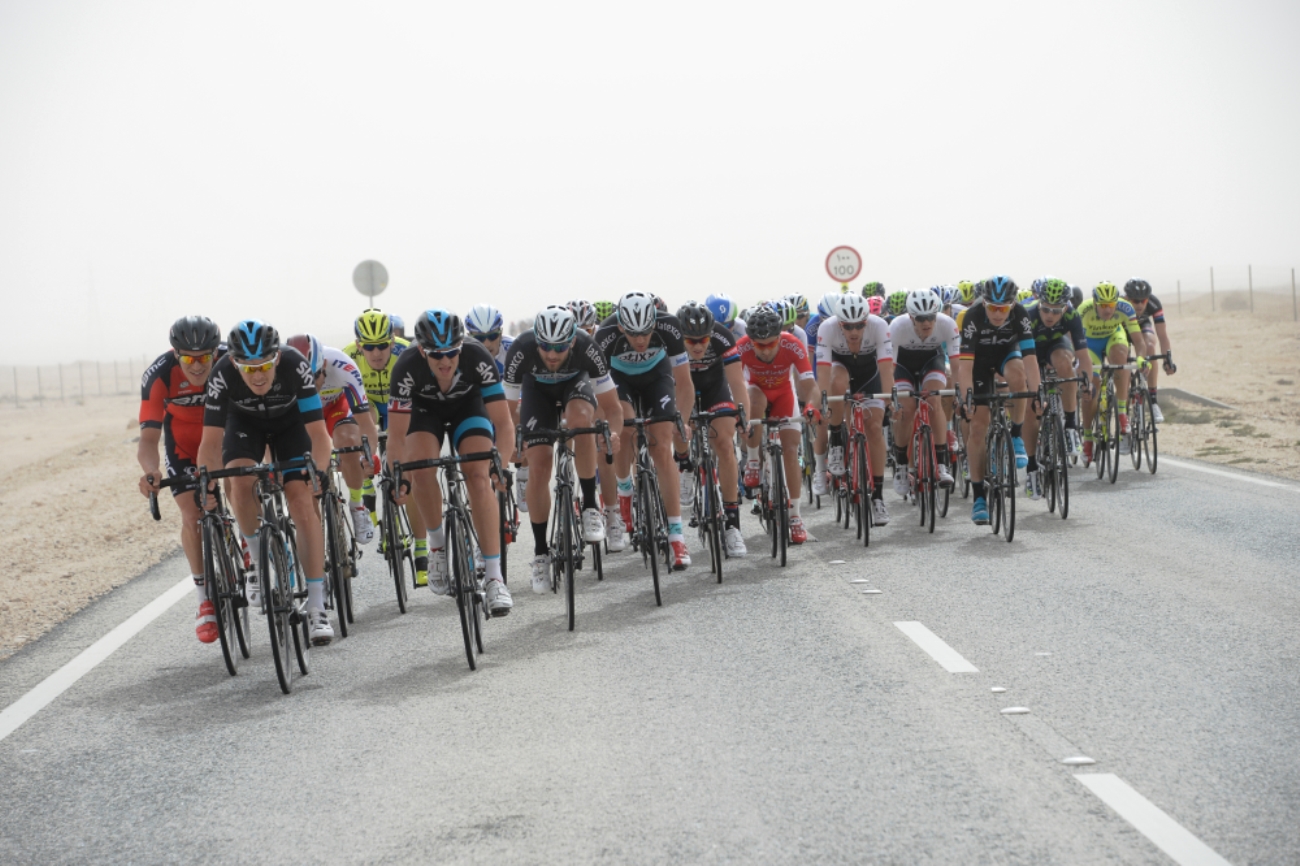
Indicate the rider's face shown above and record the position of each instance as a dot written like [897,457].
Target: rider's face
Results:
[638,342]
[998,314]
[554,360]
[695,349]
[766,351]
[378,358]
[260,381]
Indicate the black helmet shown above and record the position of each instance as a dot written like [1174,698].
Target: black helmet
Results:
[438,330]
[1076,296]
[251,340]
[1137,290]
[696,319]
[195,334]
[660,304]
[764,324]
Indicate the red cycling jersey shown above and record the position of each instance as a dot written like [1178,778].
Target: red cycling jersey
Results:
[169,400]
[773,377]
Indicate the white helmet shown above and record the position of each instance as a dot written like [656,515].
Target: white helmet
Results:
[555,325]
[483,319]
[923,302]
[851,309]
[636,313]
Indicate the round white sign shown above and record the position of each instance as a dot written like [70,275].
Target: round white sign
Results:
[370,278]
[844,264]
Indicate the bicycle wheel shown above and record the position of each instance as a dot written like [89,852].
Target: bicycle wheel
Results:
[219,583]
[1153,453]
[925,477]
[239,602]
[462,581]
[707,491]
[297,617]
[1113,441]
[780,507]
[564,506]
[993,482]
[649,518]
[1062,472]
[1010,482]
[393,552]
[333,560]
[1136,428]
[862,496]
[277,595]
[503,521]
[1047,459]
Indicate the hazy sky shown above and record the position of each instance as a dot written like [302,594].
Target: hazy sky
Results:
[238,159]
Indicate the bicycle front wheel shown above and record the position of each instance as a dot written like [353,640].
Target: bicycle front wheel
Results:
[564,506]
[862,496]
[649,528]
[1062,472]
[461,559]
[393,552]
[1113,441]
[993,482]
[1137,429]
[277,595]
[1153,452]
[1009,482]
[926,472]
[334,560]
[219,582]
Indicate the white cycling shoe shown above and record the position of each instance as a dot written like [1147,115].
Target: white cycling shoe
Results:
[319,630]
[521,489]
[687,497]
[439,572]
[541,569]
[820,485]
[835,459]
[900,482]
[1156,415]
[945,477]
[497,598]
[361,525]
[734,542]
[615,532]
[593,526]
[879,513]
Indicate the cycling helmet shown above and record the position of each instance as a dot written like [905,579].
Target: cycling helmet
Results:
[194,334]
[764,324]
[896,303]
[399,326]
[555,325]
[660,304]
[1054,292]
[483,319]
[1025,295]
[966,290]
[1105,293]
[1076,295]
[826,306]
[696,320]
[251,340]
[876,305]
[310,348]
[873,288]
[785,310]
[1137,290]
[1000,290]
[584,312]
[373,326]
[1036,287]
[851,309]
[636,312]
[948,295]
[604,309]
[439,329]
[924,302]
[722,307]
[800,304]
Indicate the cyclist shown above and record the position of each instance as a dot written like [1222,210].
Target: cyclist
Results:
[263,395]
[854,356]
[895,305]
[726,312]
[585,314]
[484,323]
[1109,325]
[1151,318]
[996,339]
[342,393]
[802,312]
[719,384]
[171,410]
[965,297]
[924,341]
[556,369]
[1058,343]
[825,309]
[375,352]
[399,326]
[873,289]
[771,355]
[604,309]
[448,389]
[789,319]
[648,361]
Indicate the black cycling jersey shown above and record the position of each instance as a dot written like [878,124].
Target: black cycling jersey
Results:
[1154,312]
[1070,324]
[414,382]
[665,342]
[524,362]
[709,371]
[293,389]
[979,336]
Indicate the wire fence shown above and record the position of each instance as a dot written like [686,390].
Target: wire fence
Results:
[75,380]
[1261,291]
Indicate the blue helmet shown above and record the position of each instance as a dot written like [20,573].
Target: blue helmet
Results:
[722,307]
[949,295]
[251,340]
[1000,290]
[438,330]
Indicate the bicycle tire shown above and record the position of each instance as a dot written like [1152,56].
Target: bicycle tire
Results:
[235,555]
[648,516]
[503,524]
[217,584]
[781,505]
[925,481]
[863,473]
[564,506]
[296,616]
[1113,441]
[272,570]
[1136,423]
[1047,459]
[461,583]
[1153,454]
[333,563]
[393,552]
[707,482]
[1062,472]
[993,481]
[1009,505]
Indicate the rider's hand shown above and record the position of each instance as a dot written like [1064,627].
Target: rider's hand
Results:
[210,501]
[149,483]
[375,467]
[1143,363]
[813,413]
[1170,367]
[613,441]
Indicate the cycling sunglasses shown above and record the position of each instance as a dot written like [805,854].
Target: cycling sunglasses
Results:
[695,341]
[998,308]
[556,348]
[260,367]
[440,354]
[1102,306]
[1055,311]
[768,344]
[196,359]
[924,319]
[853,326]
[375,347]
[488,337]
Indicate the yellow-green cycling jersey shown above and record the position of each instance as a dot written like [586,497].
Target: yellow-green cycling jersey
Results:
[376,381]
[1104,334]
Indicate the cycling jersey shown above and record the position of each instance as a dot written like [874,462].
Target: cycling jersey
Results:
[990,346]
[377,381]
[811,330]
[738,328]
[773,377]
[1097,328]
[709,370]
[502,350]
[170,401]
[1153,313]
[665,342]
[524,363]
[293,392]
[342,380]
[916,358]
[833,346]
[476,371]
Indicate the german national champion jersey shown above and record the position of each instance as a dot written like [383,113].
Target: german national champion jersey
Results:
[525,362]
[292,390]
[665,342]
[415,382]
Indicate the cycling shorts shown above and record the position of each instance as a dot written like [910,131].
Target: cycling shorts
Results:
[179,456]
[466,416]
[1099,347]
[338,412]
[781,403]
[542,406]
[930,374]
[989,364]
[715,397]
[653,395]
[247,438]
[1046,350]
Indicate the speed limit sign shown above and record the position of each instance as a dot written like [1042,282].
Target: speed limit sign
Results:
[844,264]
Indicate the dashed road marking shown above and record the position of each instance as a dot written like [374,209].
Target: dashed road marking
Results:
[949,658]
[1151,821]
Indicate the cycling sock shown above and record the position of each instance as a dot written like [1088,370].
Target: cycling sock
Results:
[354,495]
[1152,390]
[731,512]
[437,538]
[753,454]
[493,566]
[1123,406]
[199,589]
[978,488]
[588,486]
[879,492]
[540,545]
[316,592]
[1032,466]
[625,486]
[1015,431]
[1071,421]
[254,543]
[794,508]
[900,456]
[819,462]
[941,454]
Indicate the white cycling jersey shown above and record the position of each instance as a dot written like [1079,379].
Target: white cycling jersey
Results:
[832,342]
[903,335]
[341,377]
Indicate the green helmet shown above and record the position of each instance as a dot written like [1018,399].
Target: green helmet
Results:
[896,304]
[604,309]
[967,291]
[873,288]
[1105,293]
[785,310]
[1055,292]
[1025,295]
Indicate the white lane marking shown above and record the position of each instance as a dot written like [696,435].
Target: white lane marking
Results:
[945,655]
[13,716]
[1235,476]
[1149,820]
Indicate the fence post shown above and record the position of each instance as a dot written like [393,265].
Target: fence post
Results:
[1295,317]
[99,378]
[1250,286]
[16,371]
[1211,290]
[60,381]
[40,392]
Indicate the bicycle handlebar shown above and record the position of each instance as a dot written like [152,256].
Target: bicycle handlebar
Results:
[564,434]
[162,485]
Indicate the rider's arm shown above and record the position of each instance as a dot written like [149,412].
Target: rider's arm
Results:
[499,414]
[398,424]
[322,446]
[735,374]
[366,421]
[1163,336]
[147,453]
[886,368]
[685,389]
[210,447]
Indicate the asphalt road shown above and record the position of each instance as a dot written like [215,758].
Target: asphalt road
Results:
[781,717]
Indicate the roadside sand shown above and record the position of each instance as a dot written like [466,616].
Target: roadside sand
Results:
[75,526]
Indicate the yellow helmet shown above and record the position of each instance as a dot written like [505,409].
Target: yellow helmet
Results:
[967,290]
[1105,293]
[373,326]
